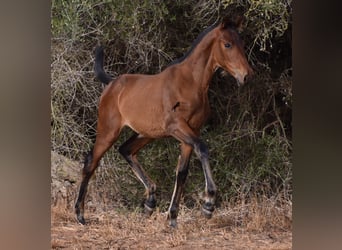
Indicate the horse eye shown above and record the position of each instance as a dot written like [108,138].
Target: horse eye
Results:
[227,45]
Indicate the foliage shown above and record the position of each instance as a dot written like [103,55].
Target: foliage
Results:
[249,131]
[267,18]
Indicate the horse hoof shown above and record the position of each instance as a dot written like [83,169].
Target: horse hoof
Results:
[173,223]
[148,210]
[208,210]
[207,214]
[80,219]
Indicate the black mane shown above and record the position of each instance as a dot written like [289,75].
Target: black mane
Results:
[194,44]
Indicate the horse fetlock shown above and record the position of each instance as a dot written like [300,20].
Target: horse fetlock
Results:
[148,210]
[173,223]
[172,216]
[80,219]
[79,214]
[208,209]
[211,191]
[209,204]
[151,202]
[173,212]
[149,205]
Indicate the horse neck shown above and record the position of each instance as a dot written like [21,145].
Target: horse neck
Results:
[201,62]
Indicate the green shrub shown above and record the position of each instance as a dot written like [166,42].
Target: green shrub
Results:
[249,130]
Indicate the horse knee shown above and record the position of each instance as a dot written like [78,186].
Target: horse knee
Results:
[201,149]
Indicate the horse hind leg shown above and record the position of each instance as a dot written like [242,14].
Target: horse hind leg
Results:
[87,172]
[105,138]
[129,151]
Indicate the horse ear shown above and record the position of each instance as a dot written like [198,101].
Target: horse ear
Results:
[239,20]
[235,23]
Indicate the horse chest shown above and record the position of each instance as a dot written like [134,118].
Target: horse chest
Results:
[194,112]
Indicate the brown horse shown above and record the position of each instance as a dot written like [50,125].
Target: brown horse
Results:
[171,103]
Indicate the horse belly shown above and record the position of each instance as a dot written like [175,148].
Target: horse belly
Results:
[145,117]
[147,123]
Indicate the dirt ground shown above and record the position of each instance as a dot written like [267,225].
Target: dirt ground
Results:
[244,226]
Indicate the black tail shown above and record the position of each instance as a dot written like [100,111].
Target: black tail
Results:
[99,72]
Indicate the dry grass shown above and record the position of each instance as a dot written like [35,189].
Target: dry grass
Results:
[253,150]
[259,223]
[249,226]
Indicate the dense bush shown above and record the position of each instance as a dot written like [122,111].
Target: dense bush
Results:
[249,131]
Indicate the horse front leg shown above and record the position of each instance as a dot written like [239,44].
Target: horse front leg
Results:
[210,190]
[181,174]
[182,132]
